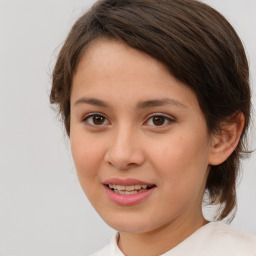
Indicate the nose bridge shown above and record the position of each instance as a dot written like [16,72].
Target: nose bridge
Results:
[125,150]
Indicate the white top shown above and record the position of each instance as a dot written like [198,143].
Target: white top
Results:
[213,239]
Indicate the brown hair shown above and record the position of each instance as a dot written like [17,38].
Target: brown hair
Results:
[198,46]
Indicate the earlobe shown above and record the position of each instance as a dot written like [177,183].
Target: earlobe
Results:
[226,141]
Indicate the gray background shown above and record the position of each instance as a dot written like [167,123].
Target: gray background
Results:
[42,208]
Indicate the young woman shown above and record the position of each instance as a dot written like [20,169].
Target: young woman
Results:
[155,98]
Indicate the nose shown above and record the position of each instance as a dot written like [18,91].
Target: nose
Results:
[124,151]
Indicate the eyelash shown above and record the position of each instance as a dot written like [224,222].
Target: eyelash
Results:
[93,115]
[167,120]
[87,118]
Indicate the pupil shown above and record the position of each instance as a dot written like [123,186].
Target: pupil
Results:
[98,120]
[158,120]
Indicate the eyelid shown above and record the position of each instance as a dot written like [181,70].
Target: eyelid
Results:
[169,118]
[92,114]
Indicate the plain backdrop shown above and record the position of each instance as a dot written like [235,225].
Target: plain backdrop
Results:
[43,210]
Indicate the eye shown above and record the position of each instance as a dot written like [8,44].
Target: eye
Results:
[95,119]
[159,120]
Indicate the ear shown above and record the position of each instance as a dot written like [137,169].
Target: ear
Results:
[224,143]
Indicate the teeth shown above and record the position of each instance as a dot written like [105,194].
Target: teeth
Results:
[129,188]
[137,187]
[119,187]
[132,188]
[129,192]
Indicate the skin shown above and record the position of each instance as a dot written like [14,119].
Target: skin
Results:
[174,154]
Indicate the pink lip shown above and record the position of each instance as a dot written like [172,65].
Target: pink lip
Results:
[126,182]
[127,200]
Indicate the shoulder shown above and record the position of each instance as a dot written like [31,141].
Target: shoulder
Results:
[103,252]
[217,239]
[225,240]
[111,249]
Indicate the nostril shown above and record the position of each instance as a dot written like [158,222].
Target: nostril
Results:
[124,159]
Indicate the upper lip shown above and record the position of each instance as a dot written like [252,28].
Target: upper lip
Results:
[127,182]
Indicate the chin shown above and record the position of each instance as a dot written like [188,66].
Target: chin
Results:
[133,229]
[129,224]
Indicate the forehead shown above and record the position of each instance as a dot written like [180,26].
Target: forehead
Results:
[104,54]
[109,67]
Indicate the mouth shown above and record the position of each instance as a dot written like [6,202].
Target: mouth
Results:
[129,190]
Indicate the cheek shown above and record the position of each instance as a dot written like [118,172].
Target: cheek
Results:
[181,163]
[87,154]
[186,150]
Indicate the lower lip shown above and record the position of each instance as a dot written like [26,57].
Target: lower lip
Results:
[127,200]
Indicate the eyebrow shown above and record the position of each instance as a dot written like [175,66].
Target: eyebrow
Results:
[92,101]
[159,103]
[140,105]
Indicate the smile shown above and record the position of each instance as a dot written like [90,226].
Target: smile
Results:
[128,190]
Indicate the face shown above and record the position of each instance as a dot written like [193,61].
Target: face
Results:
[138,138]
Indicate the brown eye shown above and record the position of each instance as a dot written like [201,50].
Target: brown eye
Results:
[98,120]
[158,120]
[95,120]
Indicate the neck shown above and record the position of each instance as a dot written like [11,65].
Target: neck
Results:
[161,240]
